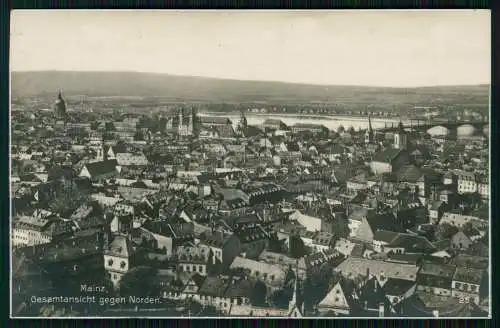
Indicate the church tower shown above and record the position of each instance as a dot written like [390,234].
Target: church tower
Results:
[369,138]
[243,120]
[181,119]
[60,106]
[296,304]
[400,137]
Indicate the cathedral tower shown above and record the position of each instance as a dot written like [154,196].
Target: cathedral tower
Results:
[60,106]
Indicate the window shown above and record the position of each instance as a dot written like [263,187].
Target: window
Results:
[115,276]
[110,262]
[200,269]
[123,264]
[336,299]
[194,268]
[337,291]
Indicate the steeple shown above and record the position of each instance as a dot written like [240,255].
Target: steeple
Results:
[243,119]
[400,125]
[60,106]
[296,303]
[400,137]
[369,132]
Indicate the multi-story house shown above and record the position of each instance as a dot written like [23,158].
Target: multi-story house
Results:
[436,278]
[467,284]
[118,258]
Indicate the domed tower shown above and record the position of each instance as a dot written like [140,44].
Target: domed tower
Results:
[60,106]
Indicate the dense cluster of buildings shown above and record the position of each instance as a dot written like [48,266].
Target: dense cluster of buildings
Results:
[266,220]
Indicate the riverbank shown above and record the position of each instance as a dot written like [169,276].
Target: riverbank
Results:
[335,117]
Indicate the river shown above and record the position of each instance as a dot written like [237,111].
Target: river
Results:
[331,122]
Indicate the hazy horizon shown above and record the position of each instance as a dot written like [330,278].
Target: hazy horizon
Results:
[382,48]
[266,81]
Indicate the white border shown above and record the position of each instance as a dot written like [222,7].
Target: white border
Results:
[230,317]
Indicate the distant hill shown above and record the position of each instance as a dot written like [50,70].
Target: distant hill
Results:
[199,89]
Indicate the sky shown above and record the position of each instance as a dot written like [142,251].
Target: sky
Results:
[376,48]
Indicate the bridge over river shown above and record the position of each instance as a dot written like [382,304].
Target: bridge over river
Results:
[424,125]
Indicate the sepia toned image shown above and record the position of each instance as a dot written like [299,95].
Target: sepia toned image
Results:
[291,164]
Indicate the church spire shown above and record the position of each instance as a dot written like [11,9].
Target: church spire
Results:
[243,119]
[369,133]
[296,302]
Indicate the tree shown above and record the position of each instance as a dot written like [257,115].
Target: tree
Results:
[139,281]
[319,282]
[258,294]
[297,247]
[340,229]
[69,198]
[444,231]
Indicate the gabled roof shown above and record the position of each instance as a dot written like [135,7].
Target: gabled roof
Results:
[359,266]
[214,286]
[100,168]
[120,247]
[371,294]
[438,270]
[340,294]
[409,173]
[387,156]
[469,275]
[214,120]
[385,221]
[396,287]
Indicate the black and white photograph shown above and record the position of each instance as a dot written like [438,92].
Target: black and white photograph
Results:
[250,164]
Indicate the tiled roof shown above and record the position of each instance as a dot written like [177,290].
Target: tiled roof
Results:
[209,120]
[387,155]
[440,270]
[382,222]
[360,266]
[214,286]
[120,247]
[262,267]
[251,234]
[100,168]
[396,287]
[469,275]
